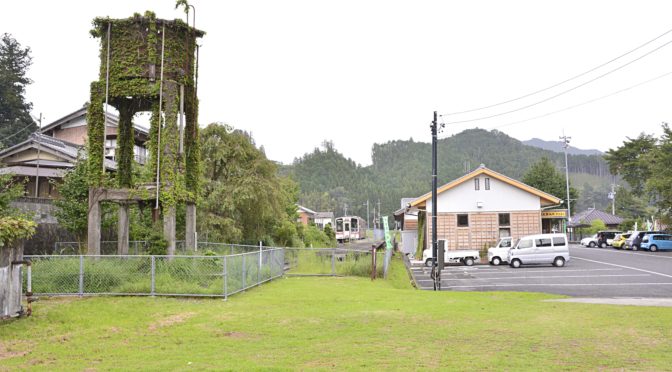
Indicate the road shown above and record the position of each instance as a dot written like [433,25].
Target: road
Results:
[591,272]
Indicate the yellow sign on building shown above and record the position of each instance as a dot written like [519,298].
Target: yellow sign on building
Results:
[555,213]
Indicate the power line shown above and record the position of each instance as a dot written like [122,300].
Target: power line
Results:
[584,103]
[561,93]
[587,102]
[560,83]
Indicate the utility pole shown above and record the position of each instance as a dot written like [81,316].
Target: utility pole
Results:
[436,266]
[379,210]
[37,169]
[612,196]
[565,140]
[368,226]
[345,209]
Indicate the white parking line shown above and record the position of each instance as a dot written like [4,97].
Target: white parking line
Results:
[550,270]
[552,276]
[625,267]
[625,252]
[557,285]
[539,277]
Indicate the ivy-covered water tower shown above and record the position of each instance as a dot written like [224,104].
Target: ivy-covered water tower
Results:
[146,65]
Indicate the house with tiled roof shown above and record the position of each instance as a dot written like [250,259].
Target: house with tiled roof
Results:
[586,218]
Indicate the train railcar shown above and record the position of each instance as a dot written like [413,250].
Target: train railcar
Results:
[350,228]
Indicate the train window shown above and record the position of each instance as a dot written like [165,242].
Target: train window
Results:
[339,225]
[347,226]
[354,224]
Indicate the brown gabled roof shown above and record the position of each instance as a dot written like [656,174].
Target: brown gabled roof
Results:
[546,199]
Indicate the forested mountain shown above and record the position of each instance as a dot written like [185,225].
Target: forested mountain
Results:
[557,146]
[402,168]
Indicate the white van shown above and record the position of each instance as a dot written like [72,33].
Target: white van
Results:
[499,253]
[540,249]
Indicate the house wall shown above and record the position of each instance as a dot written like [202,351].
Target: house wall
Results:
[500,197]
[304,218]
[483,228]
[78,134]
[30,154]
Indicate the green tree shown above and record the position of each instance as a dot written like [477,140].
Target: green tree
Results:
[16,123]
[632,161]
[13,225]
[596,225]
[10,189]
[544,176]
[244,199]
[72,207]
[645,163]
[659,183]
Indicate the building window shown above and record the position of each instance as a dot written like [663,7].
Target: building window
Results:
[487,183]
[504,219]
[477,185]
[462,220]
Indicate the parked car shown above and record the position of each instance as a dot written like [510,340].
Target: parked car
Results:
[634,241]
[499,253]
[464,256]
[590,241]
[655,242]
[540,249]
[606,238]
[619,240]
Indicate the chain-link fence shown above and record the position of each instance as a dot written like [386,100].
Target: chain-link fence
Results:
[140,247]
[213,276]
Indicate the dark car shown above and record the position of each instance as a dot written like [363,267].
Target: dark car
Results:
[605,238]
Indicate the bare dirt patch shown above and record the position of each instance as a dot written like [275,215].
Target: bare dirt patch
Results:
[171,320]
[12,351]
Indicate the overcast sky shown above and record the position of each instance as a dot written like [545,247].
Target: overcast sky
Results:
[296,73]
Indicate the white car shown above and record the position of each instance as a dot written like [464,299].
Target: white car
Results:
[498,254]
[540,249]
[590,241]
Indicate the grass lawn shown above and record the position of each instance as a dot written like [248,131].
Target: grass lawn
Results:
[338,323]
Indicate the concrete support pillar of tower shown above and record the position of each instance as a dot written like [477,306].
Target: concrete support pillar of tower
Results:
[190,230]
[169,228]
[122,230]
[94,220]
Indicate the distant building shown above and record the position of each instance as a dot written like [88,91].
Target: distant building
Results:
[586,218]
[306,216]
[322,219]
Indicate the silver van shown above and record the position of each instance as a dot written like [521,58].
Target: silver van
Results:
[540,249]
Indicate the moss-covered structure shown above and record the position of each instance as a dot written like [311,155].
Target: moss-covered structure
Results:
[152,67]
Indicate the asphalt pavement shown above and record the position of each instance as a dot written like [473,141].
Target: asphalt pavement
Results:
[591,272]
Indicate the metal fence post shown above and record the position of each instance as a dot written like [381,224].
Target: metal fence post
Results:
[226,279]
[244,272]
[81,275]
[333,262]
[259,265]
[153,280]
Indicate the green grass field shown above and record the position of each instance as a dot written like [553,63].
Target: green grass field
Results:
[337,323]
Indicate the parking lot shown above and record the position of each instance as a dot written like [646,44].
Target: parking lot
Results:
[591,272]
